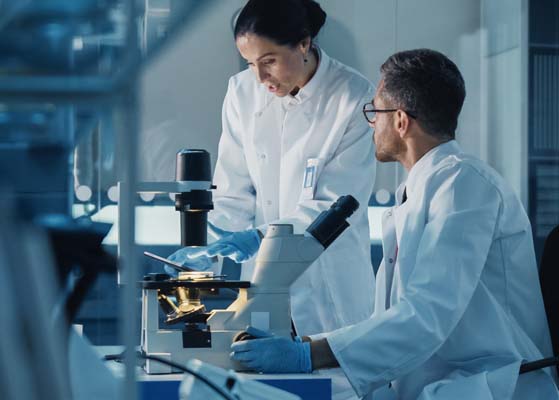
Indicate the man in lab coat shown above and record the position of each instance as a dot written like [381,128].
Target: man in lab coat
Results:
[458,305]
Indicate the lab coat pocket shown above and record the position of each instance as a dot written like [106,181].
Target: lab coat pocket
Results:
[310,177]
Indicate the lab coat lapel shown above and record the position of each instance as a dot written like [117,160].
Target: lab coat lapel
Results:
[400,216]
[404,243]
[405,239]
[386,272]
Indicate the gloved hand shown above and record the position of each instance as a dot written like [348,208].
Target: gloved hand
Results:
[238,246]
[184,257]
[273,354]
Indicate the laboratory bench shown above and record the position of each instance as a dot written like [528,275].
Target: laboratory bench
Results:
[166,386]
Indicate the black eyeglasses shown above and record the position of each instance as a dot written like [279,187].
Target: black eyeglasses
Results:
[369,111]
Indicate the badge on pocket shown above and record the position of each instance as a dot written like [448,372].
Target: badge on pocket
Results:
[310,178]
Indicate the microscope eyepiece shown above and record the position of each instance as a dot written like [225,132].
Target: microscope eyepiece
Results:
[330,224]
[193,165]
[346,205]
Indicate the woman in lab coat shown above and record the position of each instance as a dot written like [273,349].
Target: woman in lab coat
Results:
[293,141]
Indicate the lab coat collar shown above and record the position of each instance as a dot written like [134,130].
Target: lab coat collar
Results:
[268,99]
[400,193]
[424,164]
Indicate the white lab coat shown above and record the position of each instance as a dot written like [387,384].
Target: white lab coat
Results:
[265,148]
[458,303]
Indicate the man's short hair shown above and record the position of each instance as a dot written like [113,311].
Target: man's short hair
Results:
[428,85]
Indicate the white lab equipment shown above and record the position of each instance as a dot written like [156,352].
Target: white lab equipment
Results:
[458,304]
[233,385]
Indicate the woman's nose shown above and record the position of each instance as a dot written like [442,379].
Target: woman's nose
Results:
[261,74]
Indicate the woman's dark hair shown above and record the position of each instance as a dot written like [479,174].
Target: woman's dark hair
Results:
[286,22]
[428,84]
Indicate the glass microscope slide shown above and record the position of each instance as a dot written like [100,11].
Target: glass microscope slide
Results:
[173,264]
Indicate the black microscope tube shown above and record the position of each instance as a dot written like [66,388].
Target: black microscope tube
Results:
[194,228]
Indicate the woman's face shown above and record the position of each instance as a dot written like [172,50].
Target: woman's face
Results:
[280,68]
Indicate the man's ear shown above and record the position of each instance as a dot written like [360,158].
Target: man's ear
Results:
[402,123]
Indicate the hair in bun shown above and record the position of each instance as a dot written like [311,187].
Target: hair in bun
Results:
[286,22]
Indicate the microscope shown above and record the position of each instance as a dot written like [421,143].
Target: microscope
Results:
[263,303]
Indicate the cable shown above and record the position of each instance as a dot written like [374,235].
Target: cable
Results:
[114,357]
[141,354]
[534,365]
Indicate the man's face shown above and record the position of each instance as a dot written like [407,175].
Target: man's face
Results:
[279,68]
[387,140]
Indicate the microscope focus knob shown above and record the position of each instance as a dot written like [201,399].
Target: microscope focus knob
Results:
[240,336]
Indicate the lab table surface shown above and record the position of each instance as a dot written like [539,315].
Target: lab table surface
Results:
[166,386]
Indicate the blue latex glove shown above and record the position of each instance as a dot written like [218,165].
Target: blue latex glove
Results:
[184,257]
[273,354]
[238,246]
